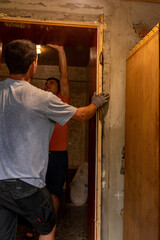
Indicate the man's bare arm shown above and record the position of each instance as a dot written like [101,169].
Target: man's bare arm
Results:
[84,113]
[63,68]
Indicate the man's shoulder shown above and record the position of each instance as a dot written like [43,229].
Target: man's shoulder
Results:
[35,90]
[37,93]
[3,84]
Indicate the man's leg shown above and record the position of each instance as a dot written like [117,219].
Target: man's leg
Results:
[32,203]
[8,224]
[55,200]
[50,236]
[56,175]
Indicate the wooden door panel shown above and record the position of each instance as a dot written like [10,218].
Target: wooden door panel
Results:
[141,202]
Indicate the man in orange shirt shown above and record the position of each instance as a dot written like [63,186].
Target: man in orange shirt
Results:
[58,157]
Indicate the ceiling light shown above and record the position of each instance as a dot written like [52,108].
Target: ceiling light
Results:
[38,49]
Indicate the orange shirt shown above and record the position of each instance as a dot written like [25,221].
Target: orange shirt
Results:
[59,137]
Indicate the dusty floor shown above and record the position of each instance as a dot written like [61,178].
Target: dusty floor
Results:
[71,224]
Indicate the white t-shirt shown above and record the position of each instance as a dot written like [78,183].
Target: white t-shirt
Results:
[27,119]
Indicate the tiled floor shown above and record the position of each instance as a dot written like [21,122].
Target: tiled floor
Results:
[71,224]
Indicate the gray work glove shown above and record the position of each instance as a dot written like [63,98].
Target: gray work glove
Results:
[100,99]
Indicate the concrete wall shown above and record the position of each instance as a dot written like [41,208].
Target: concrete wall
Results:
[126,24]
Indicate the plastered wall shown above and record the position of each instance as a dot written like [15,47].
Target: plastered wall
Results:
[119,38]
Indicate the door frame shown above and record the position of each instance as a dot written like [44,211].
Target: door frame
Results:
[98,152]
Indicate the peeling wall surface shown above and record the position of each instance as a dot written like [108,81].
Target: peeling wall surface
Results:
[126,24]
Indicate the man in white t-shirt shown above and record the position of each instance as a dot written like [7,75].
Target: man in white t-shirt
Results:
[27,119]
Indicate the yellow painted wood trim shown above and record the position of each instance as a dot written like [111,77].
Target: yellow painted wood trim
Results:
[99,137]
[147,38]
[154,1]
[51,23]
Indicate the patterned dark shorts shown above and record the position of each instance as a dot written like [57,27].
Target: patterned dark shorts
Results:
[32,203]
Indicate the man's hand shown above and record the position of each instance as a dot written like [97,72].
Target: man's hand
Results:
[100,99]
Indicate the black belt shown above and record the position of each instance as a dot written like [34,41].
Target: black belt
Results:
[10,184]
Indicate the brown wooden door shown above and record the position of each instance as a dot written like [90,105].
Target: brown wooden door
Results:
[142,173]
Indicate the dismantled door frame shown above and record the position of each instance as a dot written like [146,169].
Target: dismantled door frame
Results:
[99,27]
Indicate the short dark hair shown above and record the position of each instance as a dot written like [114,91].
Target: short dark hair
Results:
[56,79]
[19,55]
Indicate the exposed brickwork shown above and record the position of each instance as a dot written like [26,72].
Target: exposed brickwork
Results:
[141,29]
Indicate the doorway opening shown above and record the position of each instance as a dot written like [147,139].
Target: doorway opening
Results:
[83,46]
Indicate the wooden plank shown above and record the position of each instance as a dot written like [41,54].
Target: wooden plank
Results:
[154,1]
[51,23]
[92,143]
[141,189]
[99,137]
